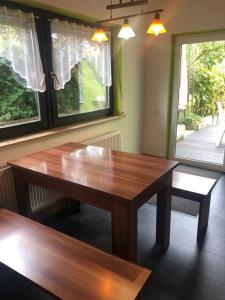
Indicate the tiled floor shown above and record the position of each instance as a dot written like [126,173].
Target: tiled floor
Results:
[187,271]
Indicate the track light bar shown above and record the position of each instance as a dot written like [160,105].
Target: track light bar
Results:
[131,16]
[122,4]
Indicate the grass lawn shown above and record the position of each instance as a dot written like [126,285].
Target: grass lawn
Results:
[92,88]
[85,84]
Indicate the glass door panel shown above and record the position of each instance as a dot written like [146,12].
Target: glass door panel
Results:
[199,101]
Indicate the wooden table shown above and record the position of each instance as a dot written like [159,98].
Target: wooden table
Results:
[63,266]
[117,181]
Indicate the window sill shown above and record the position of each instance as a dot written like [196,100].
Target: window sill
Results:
[56,131]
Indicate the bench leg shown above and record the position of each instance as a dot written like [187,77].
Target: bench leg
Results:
[203,217]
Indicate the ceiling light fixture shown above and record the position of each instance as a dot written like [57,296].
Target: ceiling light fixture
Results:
[156,27]
[126,31]
[99,35]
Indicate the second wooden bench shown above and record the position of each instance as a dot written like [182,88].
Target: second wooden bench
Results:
[63,266]
[195,188]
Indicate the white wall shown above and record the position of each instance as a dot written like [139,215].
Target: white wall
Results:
[130,126]
[180,16]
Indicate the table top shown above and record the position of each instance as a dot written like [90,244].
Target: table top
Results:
[63,266]
[116,173]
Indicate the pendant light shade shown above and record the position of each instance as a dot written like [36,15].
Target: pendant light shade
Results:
[126,32]
[156,27]
[99,36]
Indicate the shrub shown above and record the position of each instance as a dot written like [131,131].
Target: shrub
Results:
[188,118]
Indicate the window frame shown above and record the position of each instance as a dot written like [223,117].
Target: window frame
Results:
[29,127]
[74,118]
[48,100]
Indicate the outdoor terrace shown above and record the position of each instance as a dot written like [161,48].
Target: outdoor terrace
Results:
[201,145]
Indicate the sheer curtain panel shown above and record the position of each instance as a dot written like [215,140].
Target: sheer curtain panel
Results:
[71,43]
[19,44]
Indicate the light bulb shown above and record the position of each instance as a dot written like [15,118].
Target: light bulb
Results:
[126,31]
[99,36]
[156,27]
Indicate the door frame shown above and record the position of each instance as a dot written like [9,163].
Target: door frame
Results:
[179,40]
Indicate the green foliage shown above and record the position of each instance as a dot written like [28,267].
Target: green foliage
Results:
[206,76]
[19,103]
[16,101]
[80,93]
[188,118]
[92,87]
[68,99]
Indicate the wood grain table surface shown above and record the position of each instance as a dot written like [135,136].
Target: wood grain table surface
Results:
[117,181]
[63,266]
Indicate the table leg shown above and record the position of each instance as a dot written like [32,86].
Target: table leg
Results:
[164,214]
[22,193]
[124,232]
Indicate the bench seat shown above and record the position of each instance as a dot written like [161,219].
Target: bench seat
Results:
[65,267]
[195,188]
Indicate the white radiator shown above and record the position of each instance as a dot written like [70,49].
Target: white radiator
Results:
[40,197]
[111,140]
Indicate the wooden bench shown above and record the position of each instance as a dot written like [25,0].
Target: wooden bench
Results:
[195,188]
[63,266]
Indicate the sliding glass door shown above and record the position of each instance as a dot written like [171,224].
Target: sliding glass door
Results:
[198,112]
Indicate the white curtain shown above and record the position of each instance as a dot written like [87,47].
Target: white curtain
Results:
[71,43]
[19,44]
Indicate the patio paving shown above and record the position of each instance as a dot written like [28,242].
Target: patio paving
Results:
[201,146]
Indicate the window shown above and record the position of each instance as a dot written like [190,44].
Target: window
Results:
[51,73]
[22,79]
[81,69]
